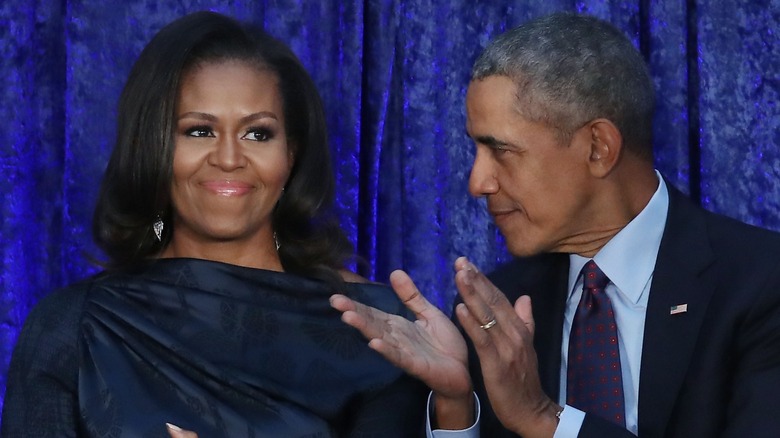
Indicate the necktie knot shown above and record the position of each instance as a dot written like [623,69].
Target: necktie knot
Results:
[593,277]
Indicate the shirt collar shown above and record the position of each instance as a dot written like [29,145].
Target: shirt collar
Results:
[640,239]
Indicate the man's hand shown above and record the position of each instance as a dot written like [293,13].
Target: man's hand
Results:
[506,353]
[430,348]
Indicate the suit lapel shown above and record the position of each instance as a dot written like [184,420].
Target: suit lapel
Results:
[549,301]
[680,277]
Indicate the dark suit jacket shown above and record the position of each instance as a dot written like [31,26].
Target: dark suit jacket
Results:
[712,371]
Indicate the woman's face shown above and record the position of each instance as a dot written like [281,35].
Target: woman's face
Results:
[231,159]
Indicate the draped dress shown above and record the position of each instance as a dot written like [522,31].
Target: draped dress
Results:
[222,350]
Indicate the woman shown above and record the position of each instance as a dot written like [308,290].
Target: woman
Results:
[213,313]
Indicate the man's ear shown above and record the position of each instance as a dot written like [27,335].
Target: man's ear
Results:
[606,146]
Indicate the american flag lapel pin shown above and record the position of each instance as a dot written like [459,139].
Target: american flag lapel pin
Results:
[680,308]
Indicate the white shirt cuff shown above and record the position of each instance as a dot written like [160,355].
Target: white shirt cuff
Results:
[570,423]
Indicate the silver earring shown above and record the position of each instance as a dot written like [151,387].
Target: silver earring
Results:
[276,241]
[158,228]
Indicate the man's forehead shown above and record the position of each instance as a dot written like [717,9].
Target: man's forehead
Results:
[491,97]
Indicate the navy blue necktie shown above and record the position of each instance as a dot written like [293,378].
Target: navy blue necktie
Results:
[594,379]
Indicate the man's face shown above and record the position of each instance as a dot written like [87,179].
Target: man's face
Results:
[537,190]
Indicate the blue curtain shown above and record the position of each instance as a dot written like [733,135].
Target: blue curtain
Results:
[393,75]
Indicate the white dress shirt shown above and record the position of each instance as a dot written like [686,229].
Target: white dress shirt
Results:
[628,260]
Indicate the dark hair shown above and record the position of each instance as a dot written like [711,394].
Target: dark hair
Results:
[570,69]
[136,187]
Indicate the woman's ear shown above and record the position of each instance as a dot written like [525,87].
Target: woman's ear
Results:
[606,146]
[290,156]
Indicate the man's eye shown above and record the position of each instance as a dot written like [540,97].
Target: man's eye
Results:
[499,150]
[257,135]
[199,131]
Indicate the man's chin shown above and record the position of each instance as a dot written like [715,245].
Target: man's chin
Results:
[523,249]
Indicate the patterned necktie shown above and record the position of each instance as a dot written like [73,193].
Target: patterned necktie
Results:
[594,380]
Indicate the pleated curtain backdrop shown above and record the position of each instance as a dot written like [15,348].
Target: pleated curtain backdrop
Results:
[393,75]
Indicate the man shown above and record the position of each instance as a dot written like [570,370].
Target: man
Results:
[688,340]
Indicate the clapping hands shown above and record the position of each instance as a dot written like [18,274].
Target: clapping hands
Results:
[433,350]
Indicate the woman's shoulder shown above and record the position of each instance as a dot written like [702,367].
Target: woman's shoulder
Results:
[374,294]
[65,299]
[57,315]
[43,372]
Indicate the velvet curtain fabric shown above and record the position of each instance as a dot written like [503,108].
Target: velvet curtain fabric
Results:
[393,75]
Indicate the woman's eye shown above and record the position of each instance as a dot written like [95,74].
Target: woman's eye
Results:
[257,135]
[199,131]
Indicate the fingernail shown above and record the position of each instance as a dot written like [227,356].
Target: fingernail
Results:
[469,275]
[173,427]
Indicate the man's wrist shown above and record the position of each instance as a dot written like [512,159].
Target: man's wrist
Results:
[553,415]
[453,413]
[543,424]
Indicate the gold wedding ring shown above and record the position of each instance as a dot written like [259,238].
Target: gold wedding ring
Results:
[489,324]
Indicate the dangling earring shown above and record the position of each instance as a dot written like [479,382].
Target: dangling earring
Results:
[158,228]
[276,239]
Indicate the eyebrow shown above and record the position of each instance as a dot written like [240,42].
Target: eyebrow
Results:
[213,118]
[490,141]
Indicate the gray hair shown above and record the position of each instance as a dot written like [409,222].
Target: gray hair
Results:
[570,69]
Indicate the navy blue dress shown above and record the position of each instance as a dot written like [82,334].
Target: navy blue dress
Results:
[222,350]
